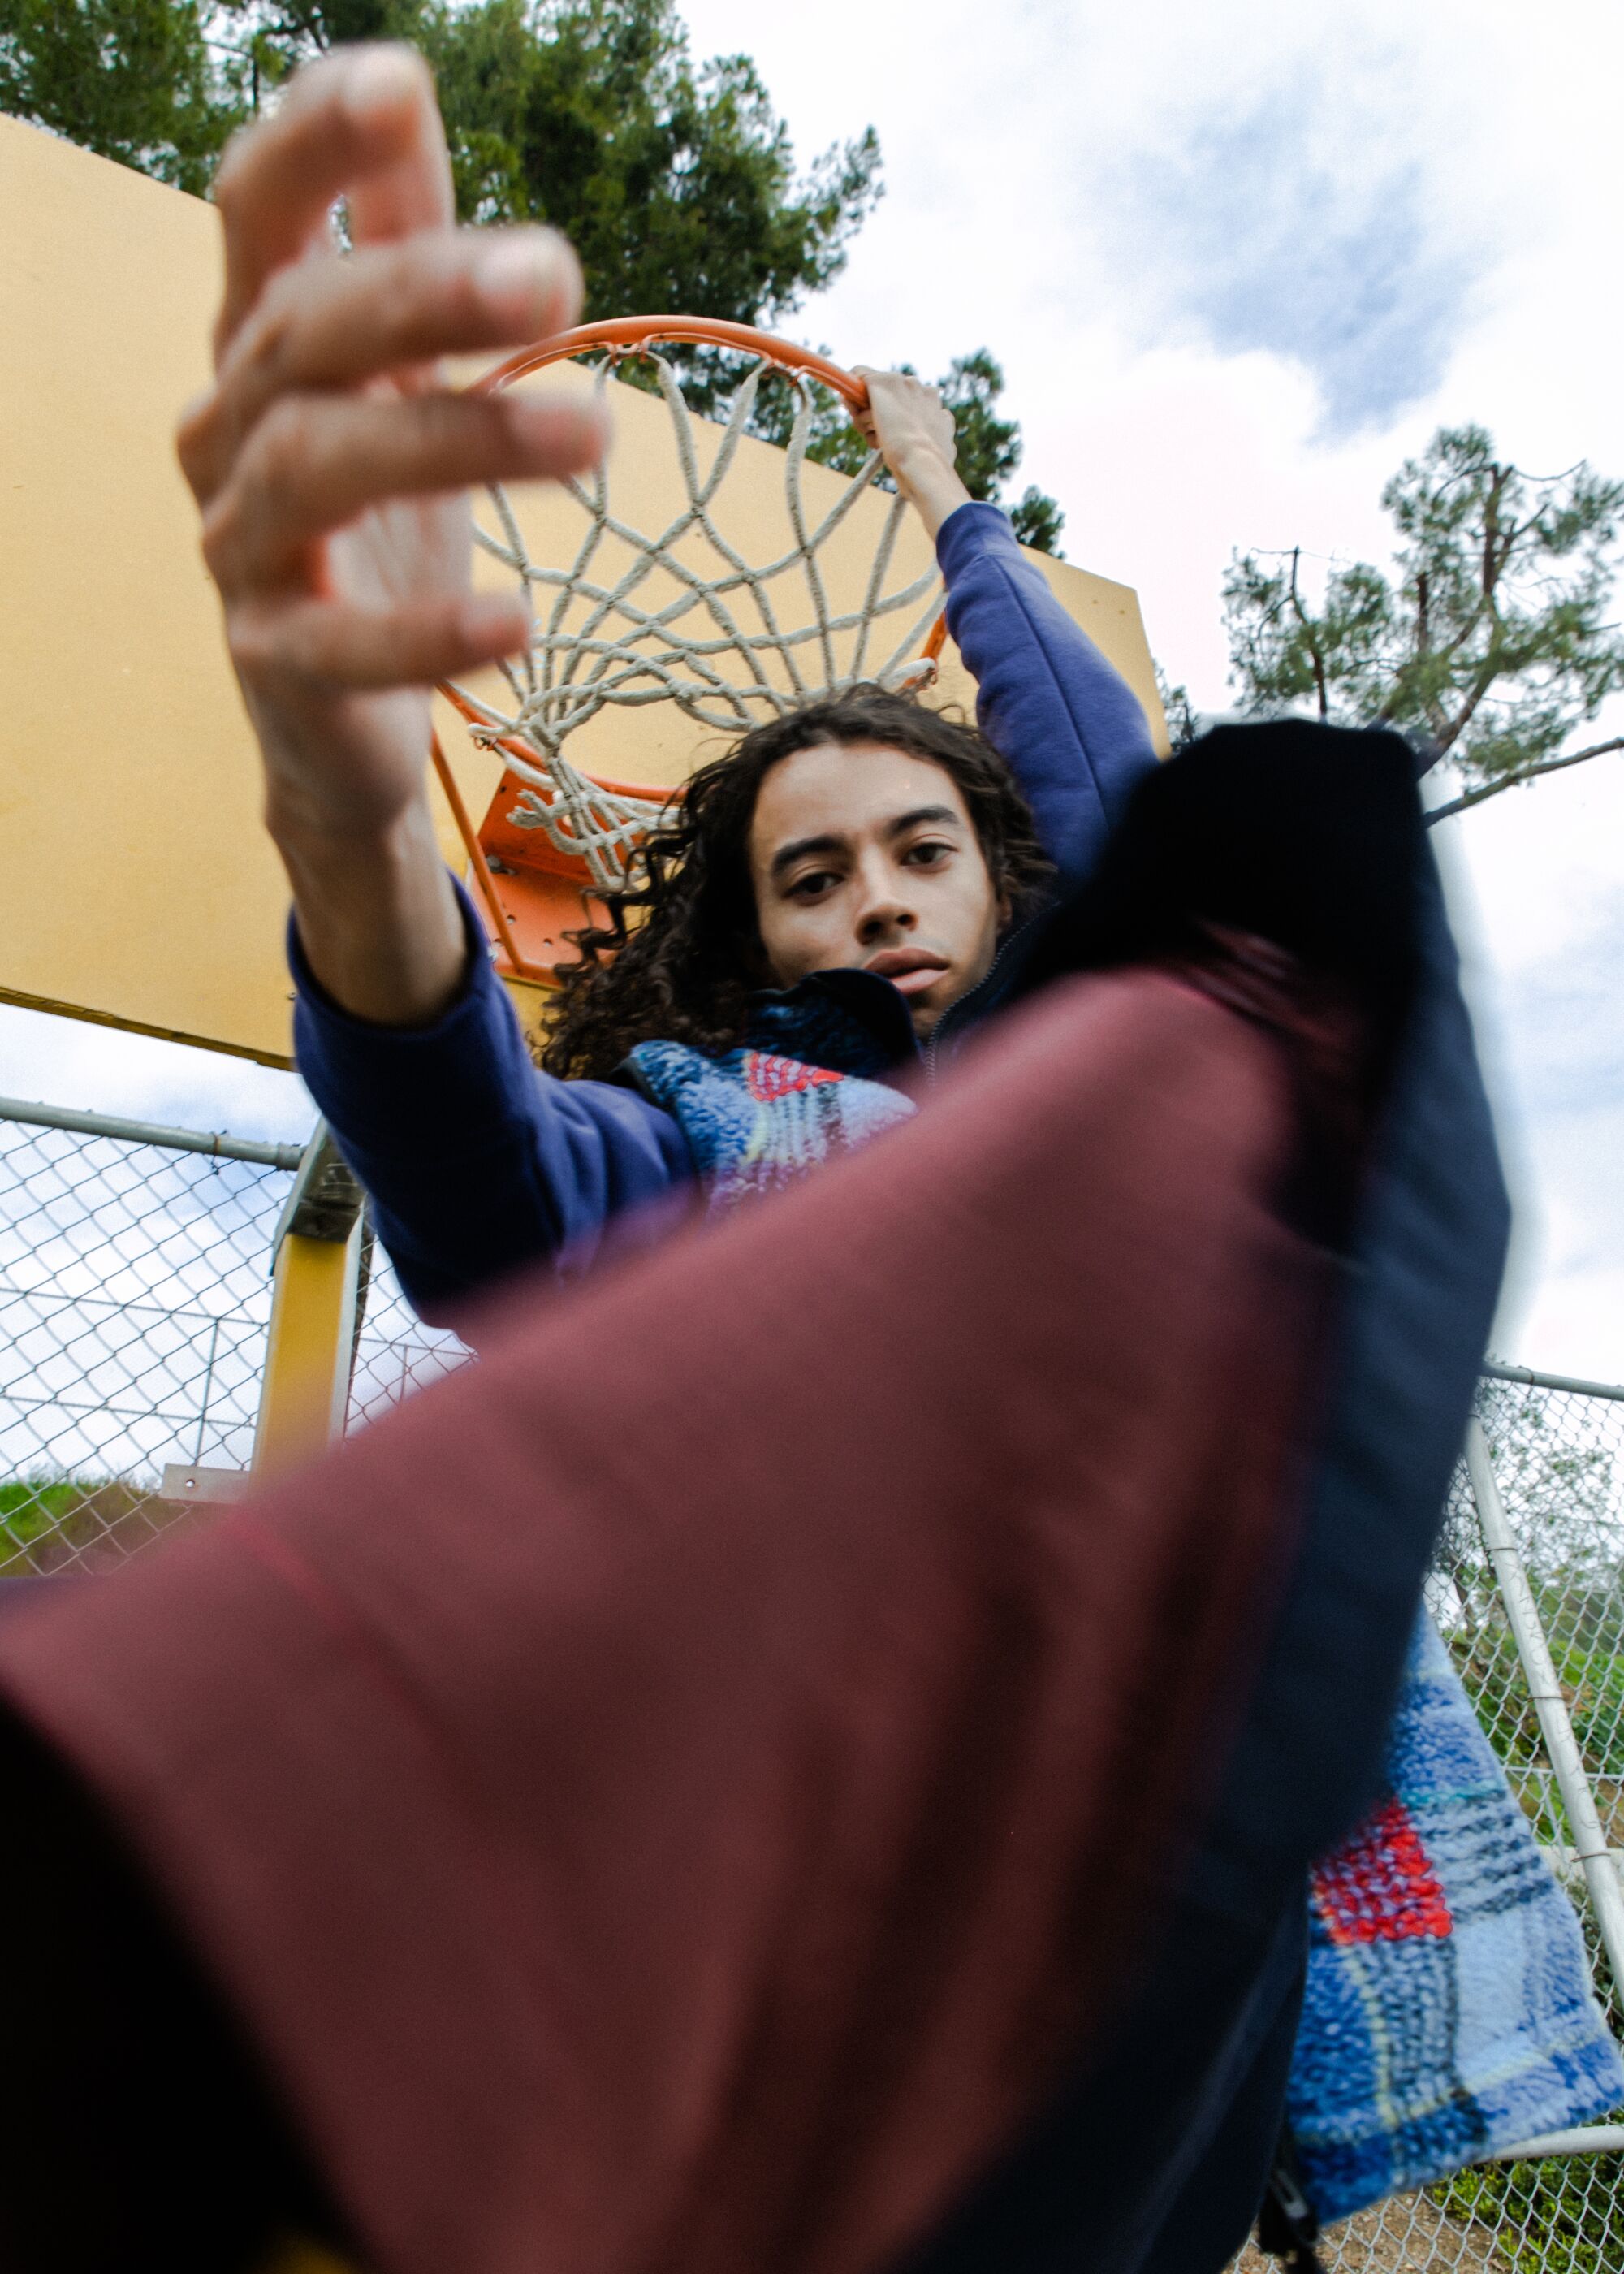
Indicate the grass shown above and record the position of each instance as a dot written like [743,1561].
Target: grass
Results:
[1563,2217]
[48,1523]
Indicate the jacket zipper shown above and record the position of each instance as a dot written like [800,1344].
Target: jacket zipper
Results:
[931,1053]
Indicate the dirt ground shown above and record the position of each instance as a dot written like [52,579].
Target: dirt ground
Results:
[1412,2236]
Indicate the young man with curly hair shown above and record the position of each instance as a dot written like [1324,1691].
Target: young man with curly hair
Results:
[810,1754]
[1202,1250]
[823,907]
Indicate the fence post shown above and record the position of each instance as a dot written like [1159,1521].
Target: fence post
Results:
[208,1390]
[316,1263]
[1578,1803]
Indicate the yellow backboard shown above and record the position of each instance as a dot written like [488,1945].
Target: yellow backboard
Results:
[136,886]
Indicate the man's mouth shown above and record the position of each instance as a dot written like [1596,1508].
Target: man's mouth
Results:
[911,970]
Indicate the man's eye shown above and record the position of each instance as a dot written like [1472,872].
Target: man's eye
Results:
[930,854]
[813,886]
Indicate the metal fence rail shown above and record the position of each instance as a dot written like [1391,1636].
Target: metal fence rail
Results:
[134,1306]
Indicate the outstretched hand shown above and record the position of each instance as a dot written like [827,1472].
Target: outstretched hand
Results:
[331,462]
[911,426]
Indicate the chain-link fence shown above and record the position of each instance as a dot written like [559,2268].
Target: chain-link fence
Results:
[134,1305]
[1555,1454]
[135,1301]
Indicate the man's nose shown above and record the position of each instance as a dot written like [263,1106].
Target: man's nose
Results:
[882,913]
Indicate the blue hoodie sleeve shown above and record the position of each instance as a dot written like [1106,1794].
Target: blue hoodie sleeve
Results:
[1064,719]
[476,1162]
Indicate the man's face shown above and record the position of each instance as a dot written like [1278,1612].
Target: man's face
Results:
[862,856]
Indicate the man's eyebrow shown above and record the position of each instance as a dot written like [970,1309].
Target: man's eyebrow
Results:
[921,816]
[918,818]
[799,846]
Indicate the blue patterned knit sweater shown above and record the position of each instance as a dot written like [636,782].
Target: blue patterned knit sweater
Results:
[754,1120]
[1447,2011]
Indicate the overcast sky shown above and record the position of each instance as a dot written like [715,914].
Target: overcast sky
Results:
[1237,262]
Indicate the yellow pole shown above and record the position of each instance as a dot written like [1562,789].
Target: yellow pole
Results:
[317,1269]
[305,2258]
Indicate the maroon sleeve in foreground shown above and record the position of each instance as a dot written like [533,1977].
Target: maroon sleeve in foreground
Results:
[674,1797]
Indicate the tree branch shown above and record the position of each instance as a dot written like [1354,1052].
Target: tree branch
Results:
[1454,729]
[1523,774]
[1315,658]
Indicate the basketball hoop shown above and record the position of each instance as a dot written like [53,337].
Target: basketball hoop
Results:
[680,615]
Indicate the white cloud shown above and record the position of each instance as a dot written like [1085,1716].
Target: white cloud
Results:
[100,1069]
[1534,890]
[1463,153]
[1272,231]
[1206,243]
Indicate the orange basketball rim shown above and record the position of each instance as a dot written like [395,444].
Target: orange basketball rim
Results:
[556,838]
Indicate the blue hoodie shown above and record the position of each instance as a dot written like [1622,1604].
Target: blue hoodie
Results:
[477,1163]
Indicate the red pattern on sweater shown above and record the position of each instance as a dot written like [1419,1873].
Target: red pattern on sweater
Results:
[1381,1887]
[768,1076]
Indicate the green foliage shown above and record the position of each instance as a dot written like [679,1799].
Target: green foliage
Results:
[1175,708]
[1491,639]
[299,29]
[132,79]
[1037,520]
[264,41]
[1559,1482]
[831,439]
[47,1522]
[676,184]
[1554,2218]
[988,446]
[1562,1495]
[675,181]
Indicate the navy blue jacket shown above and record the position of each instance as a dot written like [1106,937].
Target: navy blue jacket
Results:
[477,1162]
[1153,2158]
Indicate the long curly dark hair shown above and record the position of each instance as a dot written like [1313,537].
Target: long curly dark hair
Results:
[680,952]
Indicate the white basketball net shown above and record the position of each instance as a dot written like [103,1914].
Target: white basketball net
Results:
[619,652]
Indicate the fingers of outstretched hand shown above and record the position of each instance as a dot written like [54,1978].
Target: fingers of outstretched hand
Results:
[862,415]
[317,649]
[389,308]
[907,416]
[314,463]
[362,125]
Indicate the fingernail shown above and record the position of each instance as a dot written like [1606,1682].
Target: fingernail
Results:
[526,280]
[494,616]
[577,432]
[380,79]
[517,274]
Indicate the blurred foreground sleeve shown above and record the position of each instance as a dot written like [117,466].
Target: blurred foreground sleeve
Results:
[679,1794]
